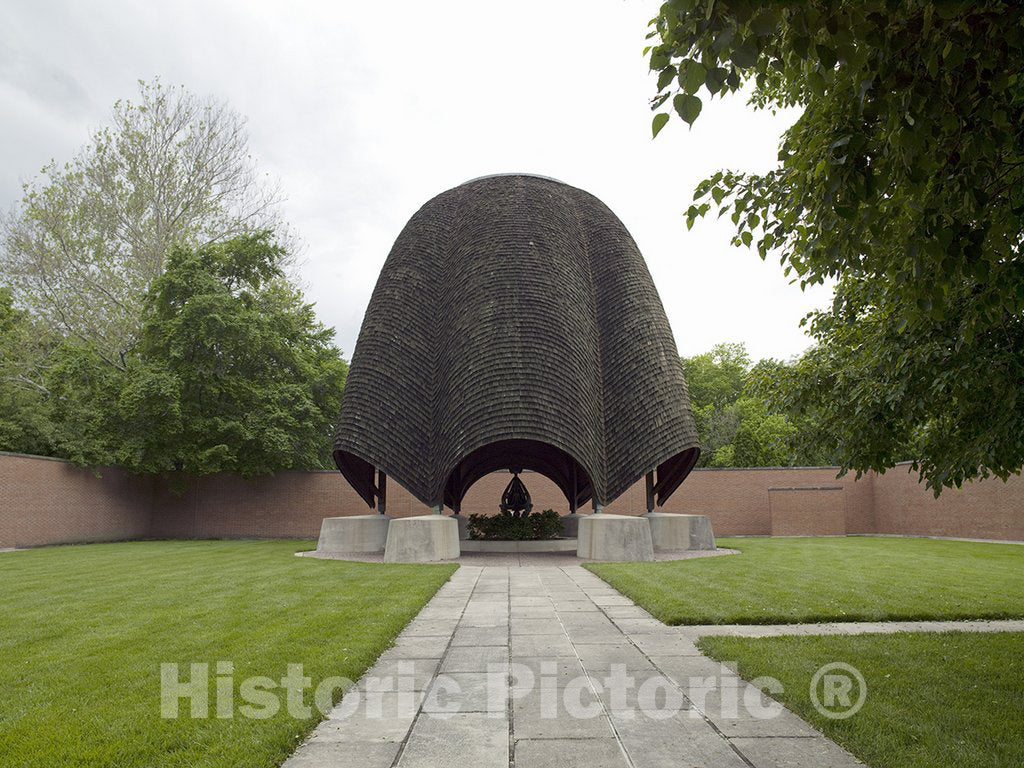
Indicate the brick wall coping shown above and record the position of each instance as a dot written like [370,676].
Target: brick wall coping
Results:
[33,456]
[525,471]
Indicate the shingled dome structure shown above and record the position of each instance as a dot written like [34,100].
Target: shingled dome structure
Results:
[515,326]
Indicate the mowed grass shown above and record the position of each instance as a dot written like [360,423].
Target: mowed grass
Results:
[829,579]
[933,700]
[84,630]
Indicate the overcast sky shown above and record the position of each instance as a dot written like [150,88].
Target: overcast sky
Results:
[365,110]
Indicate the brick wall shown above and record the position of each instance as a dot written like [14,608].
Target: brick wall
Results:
[815,510]
[740,501]
[286,505]
[45,501]
[990,509]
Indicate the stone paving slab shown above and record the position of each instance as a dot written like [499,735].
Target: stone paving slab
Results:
[542,646]
[796,753]
[318,754]
[570,753]
[463,739]
[479,636]
[527,673]
[736,717]
[529,626]
[414,674]
[426,627]
[472,691]
[531,722]
[678,741]
[496,640]
[470,659]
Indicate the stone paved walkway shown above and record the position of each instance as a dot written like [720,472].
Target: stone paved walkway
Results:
[849,628]
[565,628]
[508,637]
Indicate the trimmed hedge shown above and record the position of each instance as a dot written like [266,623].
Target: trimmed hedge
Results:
[516,527]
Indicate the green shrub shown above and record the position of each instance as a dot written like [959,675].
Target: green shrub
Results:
[516,527]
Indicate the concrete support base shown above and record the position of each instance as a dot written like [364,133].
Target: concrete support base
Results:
[615,538]
[673,533]
[570,526]
[422,539]
[463,522]
[353,534]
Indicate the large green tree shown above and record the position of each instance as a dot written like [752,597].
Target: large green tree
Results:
[235,367]
[233,373]
[903,180]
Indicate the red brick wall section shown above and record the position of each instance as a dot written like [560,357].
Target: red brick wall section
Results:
[737,500]
[812,511]
[860,502]
[286,505]
[989,509]
[44,501]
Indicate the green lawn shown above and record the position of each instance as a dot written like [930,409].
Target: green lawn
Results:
[933,701]
[84,629]
[829,579]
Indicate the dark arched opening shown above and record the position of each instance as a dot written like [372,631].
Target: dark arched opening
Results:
[554,463]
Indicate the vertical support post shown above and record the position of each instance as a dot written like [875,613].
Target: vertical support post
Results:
[437,509]
[382,491]
[598,507]
[573,503]
[649,483]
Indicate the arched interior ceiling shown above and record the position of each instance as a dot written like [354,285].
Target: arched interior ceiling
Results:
[555,464]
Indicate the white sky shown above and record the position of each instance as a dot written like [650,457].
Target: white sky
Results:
[365,110]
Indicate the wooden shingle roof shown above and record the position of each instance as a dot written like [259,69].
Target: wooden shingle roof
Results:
[515,325]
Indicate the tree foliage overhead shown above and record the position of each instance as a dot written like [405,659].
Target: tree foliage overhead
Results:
[89,236]
[903,180]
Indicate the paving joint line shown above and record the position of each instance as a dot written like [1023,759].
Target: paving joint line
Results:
[447,649]
[590,680]
[509,709]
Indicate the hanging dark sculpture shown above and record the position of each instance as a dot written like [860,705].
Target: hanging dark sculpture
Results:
[515,501]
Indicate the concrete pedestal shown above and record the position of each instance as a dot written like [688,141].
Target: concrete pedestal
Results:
[670,533]
[570,526]
[463,523]
[355,534]
[422,539]
[614,538]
